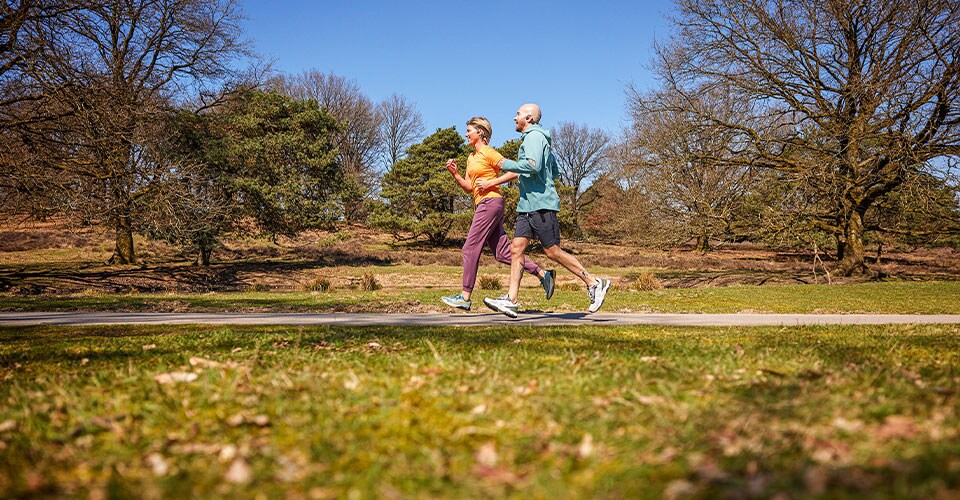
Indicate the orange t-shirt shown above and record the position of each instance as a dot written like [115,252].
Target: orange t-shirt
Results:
[483,165]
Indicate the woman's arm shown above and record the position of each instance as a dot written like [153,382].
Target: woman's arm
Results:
[485,184]
[454,170]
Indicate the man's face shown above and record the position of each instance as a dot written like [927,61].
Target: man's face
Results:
[522,119]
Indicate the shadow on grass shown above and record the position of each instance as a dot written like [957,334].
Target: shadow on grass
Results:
[226,277]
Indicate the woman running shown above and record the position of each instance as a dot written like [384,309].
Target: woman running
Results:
[482,182]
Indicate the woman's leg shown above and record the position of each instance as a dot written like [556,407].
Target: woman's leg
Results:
[484,217]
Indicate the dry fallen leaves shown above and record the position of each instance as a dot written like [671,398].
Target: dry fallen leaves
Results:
[147,347]
[158,464]
[585,448]
[897,427]
[487,454]
[239,472]
[679,488]
[240,419]
[173,377]
[203,362]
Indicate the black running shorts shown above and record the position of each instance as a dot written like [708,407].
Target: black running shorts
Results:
[541,224]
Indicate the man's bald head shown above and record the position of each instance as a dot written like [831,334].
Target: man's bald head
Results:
[533,110]
[528,114]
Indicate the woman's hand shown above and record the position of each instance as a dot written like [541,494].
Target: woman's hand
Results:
[452,166]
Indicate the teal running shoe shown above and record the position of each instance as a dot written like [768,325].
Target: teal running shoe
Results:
[457,301]
[548,282]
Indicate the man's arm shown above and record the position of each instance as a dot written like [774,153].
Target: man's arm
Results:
[530,157]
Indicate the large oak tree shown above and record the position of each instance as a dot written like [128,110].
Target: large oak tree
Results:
[857,97]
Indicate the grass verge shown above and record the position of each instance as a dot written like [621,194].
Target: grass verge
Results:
[901,297]
[183,411]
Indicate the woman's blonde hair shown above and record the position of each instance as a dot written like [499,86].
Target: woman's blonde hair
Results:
[483,126]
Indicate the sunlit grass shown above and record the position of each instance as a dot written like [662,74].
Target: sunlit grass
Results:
[884,297]
[630,412]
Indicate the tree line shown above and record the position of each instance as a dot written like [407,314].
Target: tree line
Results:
[832,123]
[133,115]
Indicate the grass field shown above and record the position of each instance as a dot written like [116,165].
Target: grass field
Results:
[903,297]
[181,411]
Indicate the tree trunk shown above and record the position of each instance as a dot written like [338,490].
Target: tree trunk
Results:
[205,256]
[703,243]
[853,257]
[123,252]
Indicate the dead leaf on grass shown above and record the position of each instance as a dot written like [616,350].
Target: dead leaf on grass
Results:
[649,400]
[195,449]
[174,377]
[847,425]
[241,419]
[203,362]
[158,464]
[487,454]
[897,427]
[416,382]
[227,453]
[8,425]
[149,346]
[828,452]
[526,390]
[585,448]
[678,489]
[239,472]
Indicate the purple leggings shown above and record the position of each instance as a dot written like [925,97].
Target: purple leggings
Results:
[487,227]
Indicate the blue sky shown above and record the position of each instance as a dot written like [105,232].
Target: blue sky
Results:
[461,59]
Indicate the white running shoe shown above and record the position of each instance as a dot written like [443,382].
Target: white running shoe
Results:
[597,292]
[503,305]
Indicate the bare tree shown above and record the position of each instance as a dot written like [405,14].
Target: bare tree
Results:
[688,165]
[108,70]
[402,126]
[581,154]
[853,96]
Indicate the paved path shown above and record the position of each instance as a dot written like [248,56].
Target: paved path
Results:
[483,319]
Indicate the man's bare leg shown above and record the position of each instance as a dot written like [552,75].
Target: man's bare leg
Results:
[558,255]
[517,248]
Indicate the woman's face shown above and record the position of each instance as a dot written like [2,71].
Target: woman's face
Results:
[473,135]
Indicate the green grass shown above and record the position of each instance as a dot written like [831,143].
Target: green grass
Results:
[904,297]
[444,412]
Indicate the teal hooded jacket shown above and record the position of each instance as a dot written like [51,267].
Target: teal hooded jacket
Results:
[537,167]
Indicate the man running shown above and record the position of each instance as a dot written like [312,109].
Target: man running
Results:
[537,213]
